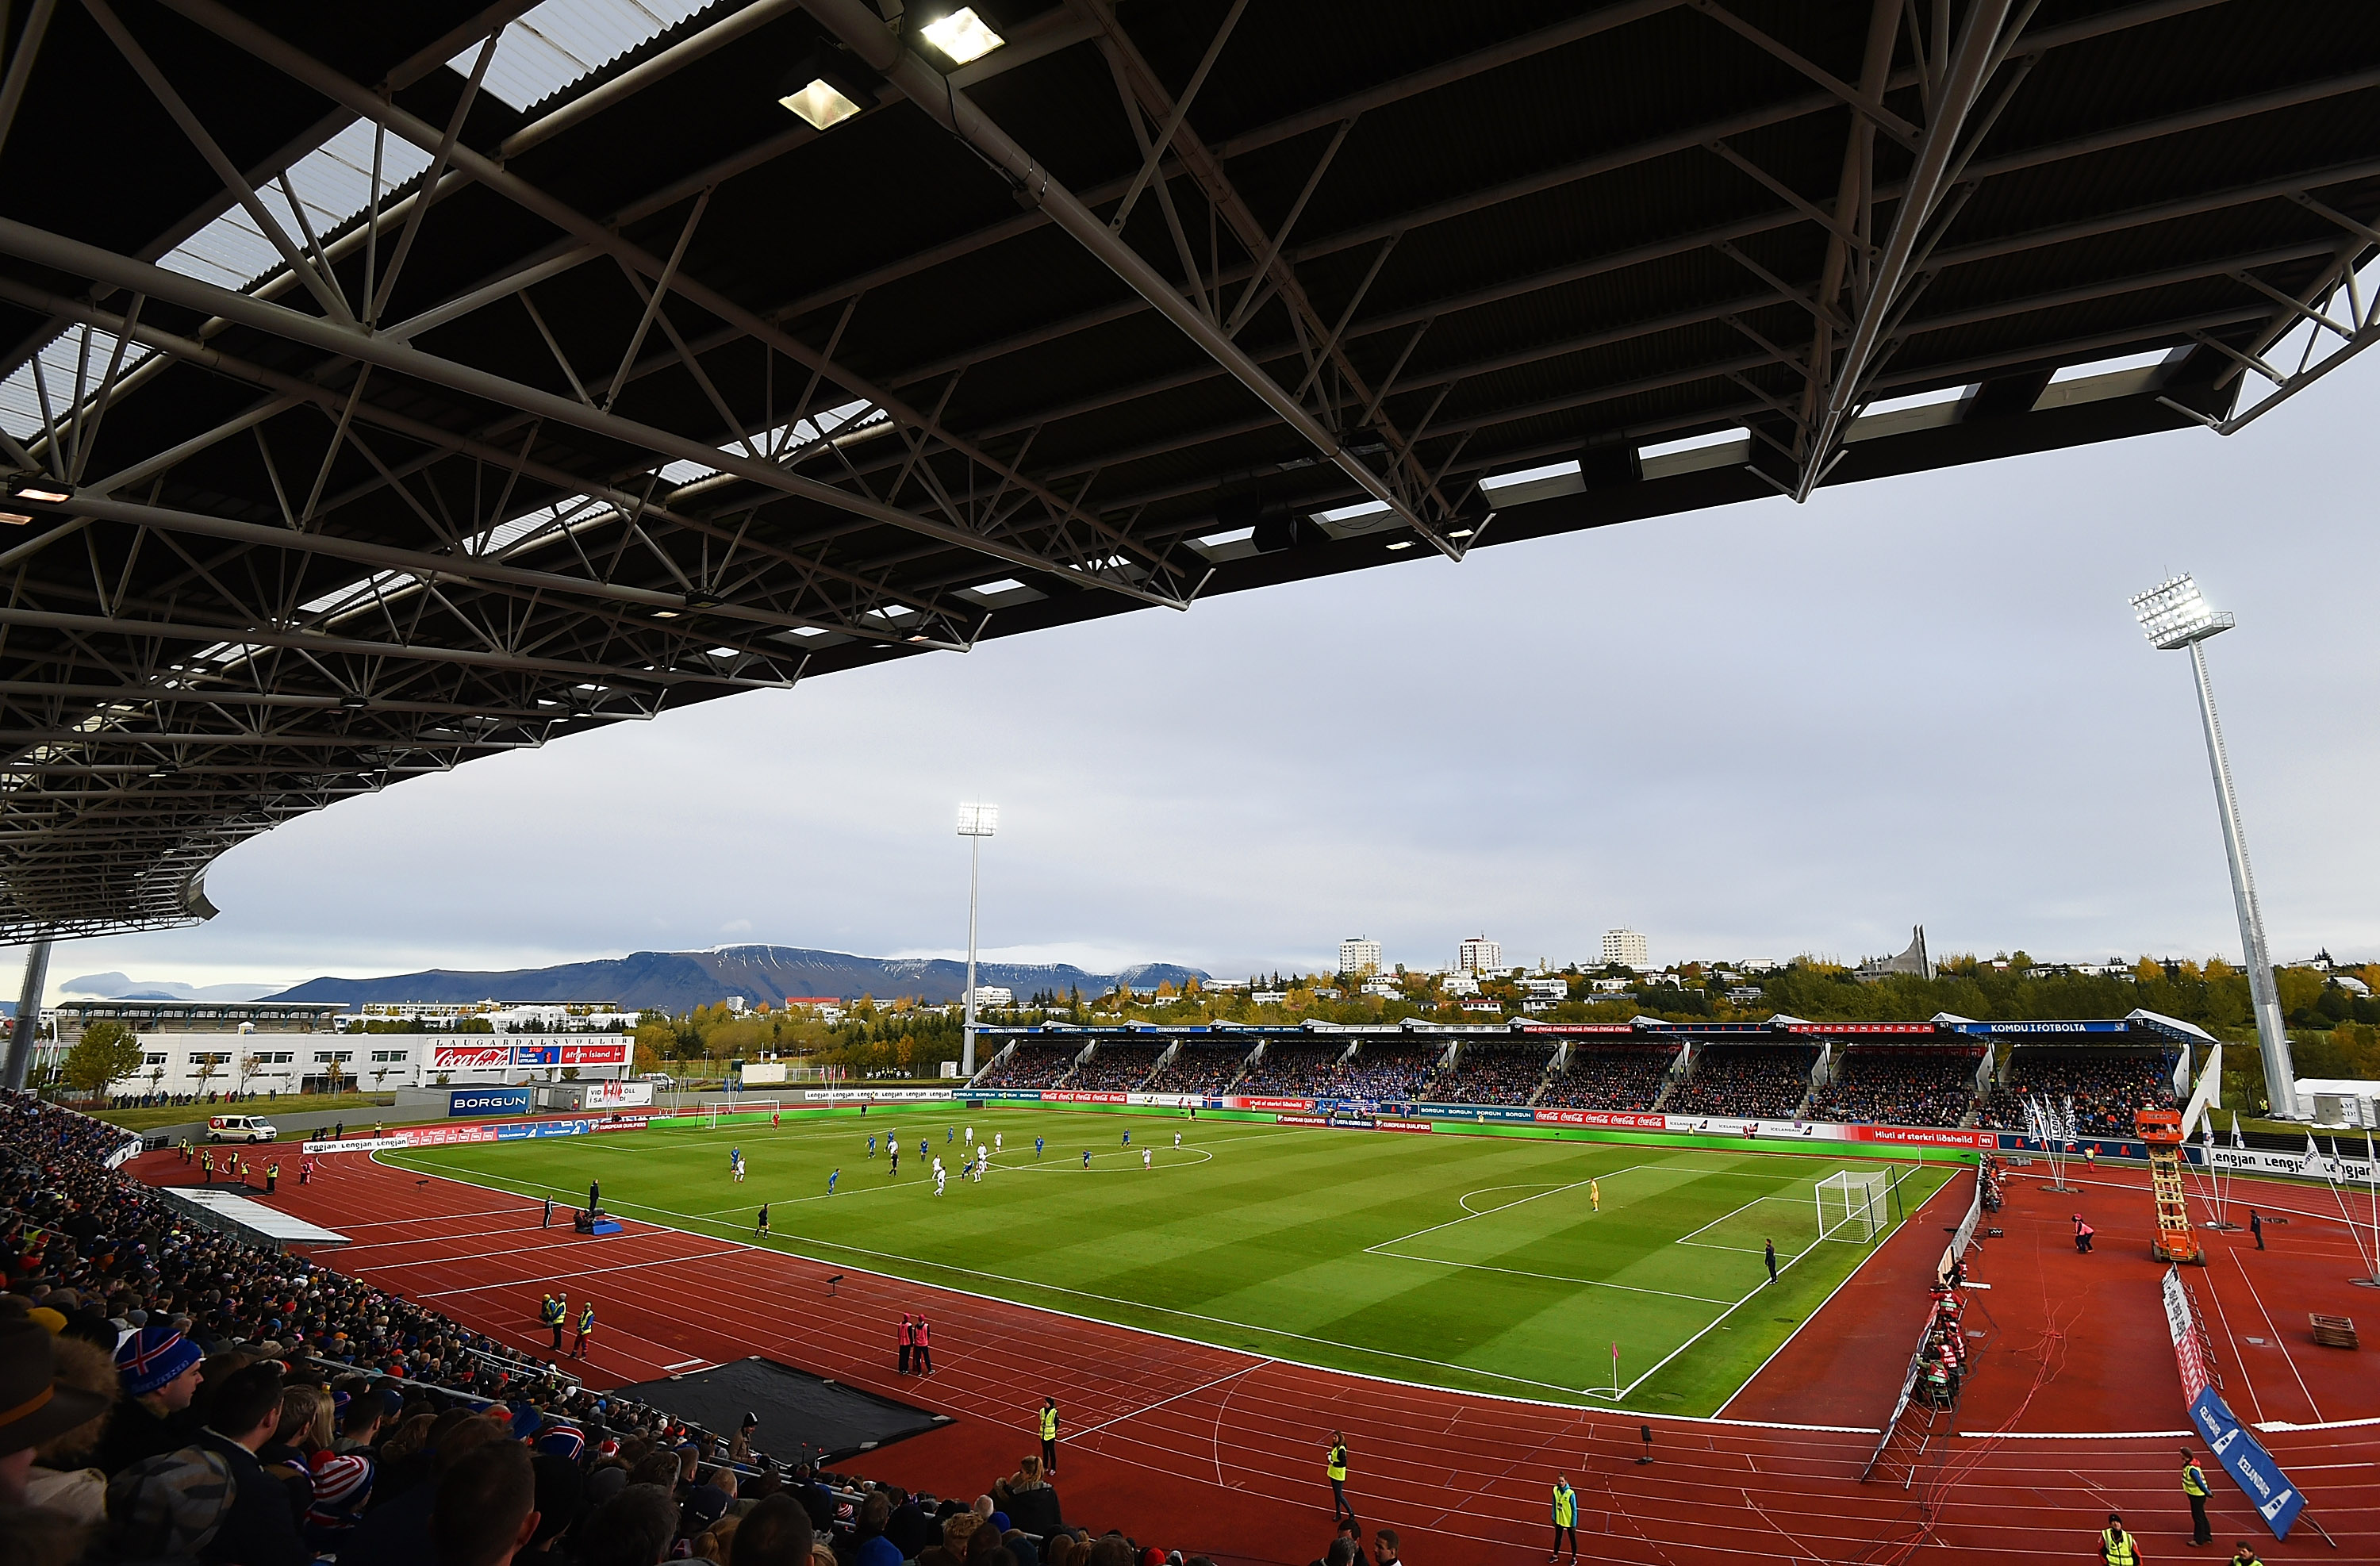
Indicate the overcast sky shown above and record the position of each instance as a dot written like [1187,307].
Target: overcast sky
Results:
[1749,732]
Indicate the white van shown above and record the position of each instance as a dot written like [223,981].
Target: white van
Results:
[240,1128]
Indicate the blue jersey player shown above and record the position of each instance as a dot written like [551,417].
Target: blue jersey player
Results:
[1087,1157]
[871,1145]
[1036,1146]
[830,1180]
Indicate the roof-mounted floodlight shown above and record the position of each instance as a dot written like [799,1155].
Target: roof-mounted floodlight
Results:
[825,88]
[2172,614]
[40,488]
[962,35]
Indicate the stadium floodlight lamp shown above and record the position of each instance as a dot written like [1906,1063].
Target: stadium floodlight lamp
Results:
[825,88]
[963,36]
[40,488]
[2173,614]
[978,821]
[819,104]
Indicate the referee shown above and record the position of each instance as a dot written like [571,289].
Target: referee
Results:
[1049,1437]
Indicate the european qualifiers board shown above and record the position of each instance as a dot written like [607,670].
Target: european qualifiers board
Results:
[1512,1265]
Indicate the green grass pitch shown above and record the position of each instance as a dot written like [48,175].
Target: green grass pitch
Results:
[1479,1262]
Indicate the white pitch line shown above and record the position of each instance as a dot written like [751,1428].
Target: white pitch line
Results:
[1553,1278]
[1552,1191]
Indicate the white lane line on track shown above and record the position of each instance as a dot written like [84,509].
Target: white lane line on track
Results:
[563,1276]
[436,1218]
[1134,1413]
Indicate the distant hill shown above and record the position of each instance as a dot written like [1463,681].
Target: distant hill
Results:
[678,981]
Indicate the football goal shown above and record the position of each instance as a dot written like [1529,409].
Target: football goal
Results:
[741,1112]
[1852,1204]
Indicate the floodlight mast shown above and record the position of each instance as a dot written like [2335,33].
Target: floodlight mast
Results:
[2173,615]
[975,823]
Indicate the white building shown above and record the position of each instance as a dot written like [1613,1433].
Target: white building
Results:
[991,996]
[1479,954]
[287,1062]
[1627,948]
[1359,956]
[1459,984]
[1548,988]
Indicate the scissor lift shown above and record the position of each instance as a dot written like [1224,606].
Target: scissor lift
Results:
[2161,1129]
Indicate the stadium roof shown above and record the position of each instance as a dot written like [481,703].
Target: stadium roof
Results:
[432,380]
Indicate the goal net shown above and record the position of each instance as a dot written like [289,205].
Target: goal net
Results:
[745,1111]
[1852,1204]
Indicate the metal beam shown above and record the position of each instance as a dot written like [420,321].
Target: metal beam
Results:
[1981,48]
[863,31]
[277,53]
[88,260]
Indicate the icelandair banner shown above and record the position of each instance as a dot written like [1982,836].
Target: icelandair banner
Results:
[2244,1458]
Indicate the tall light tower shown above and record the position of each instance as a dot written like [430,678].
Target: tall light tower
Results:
[975,823]
[2174,616]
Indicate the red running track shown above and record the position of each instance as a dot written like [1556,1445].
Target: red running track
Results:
[1208,1448]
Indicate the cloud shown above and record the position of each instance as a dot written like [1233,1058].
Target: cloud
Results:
[1748,731]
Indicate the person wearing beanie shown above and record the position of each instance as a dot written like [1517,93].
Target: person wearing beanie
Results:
[562,1440]
[34,1404]
[343,1484]
[160,1368]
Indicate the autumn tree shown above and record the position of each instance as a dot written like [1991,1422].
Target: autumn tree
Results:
[106,1052]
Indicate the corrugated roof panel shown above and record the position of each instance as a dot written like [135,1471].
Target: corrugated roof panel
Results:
[566,40]
[20,399]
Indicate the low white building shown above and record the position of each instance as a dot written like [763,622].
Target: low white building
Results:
[989,996]
[315,1062]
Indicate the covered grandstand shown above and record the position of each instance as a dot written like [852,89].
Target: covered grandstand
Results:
[1948,1073]
[553,373]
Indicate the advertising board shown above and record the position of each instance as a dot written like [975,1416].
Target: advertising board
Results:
[489,1101]
[471,1057]
[1054,1097]
[2244,1458]
[1277,1106]
[1920,1137]
[1624,1120]
[1481,1114]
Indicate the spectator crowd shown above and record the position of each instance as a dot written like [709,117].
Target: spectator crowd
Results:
[2105,1085]
[1201,1068]
[1762,1082]
[1117,1067]
[1899,1087]
[1616,1077]
[1483,1073]
[172,1396]
[1030,1066]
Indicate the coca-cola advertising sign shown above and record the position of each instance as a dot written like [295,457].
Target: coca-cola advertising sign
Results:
[1623,1119]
